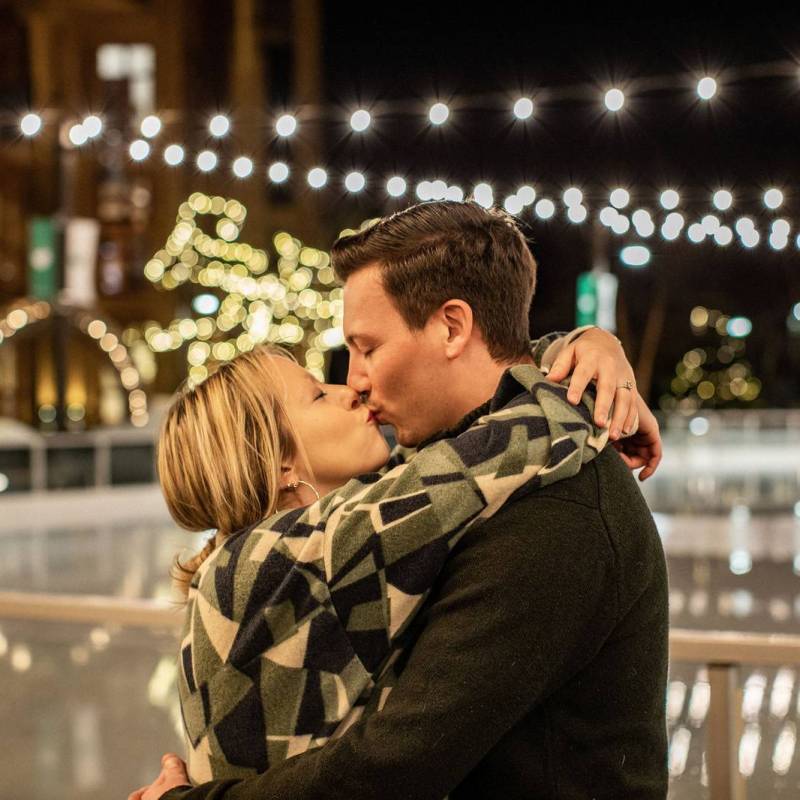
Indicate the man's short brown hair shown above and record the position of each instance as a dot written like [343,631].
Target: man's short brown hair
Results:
[433,252]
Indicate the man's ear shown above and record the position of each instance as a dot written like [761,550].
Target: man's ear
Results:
[456,316]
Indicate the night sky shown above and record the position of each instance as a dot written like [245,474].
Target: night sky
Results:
[746,139]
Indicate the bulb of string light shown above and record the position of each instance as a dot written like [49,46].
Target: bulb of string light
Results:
[523,108]
[219,125]
[396,186]
[360,120]
[317,178]
[438,113]
[614,99]
[706,88]
[285,125]
[30,124]
[355,182]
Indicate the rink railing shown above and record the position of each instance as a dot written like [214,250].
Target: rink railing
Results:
[723,653]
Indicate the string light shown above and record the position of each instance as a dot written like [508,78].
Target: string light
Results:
[438,113]
[317,177]
[360,120]
[483,195]
[285,125]
[396,186]
[278,172]
[523,108]
[77,135]
[723,236]
[696,233]
[577,213]
[773,198]
[219,125]
[572,196]
[92,126]
[722,200]
[614,99]
[513,205]
[206,160]
[527,194]
[620,198]
[151,126]
[355,182]
[635,256]
[242,167]
[30,124]
[139,150]
[544,208]
[620,225]
[669,199]
[706,88]
[174,155]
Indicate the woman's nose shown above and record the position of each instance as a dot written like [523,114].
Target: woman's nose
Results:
[351,398]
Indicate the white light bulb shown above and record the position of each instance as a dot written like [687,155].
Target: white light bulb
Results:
[670,232]
[424,191]
[710,224]
[206,160]
[572,196]
[743,224]
[646,228]
[777,242]
[30,124]
[722,200]
[77,135]
[723,236]
[635,255]
[93,126]
[577,214]
[243,167]
[620,198]
[669,199]
[483,195]
[781,228]
[285,125]
[396,186]
[139,149]
[706,88]
[173,155]
[523,108]
[640,217]
[513,204]
[355,182]
[620,225]
[773,198]
[696,233]
[219,125]
[317,177]
[438,113]
[439,189]
[751,238]
[151,126]
[527,194]
[544,208]
[608,215]
[360,120]
[455,193]
[614,99]
[278,172]
[675,220]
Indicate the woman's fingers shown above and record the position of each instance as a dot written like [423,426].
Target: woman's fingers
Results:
[580,380]
[137,795]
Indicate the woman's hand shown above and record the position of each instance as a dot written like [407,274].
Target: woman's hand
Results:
[597,355]
[173,774]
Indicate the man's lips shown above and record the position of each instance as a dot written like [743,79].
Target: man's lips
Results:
[373,417]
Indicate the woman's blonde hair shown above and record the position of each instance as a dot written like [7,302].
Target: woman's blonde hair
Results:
[221,449]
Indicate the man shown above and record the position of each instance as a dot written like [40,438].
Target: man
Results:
[538,666]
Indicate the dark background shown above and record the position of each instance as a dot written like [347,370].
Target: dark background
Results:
[745,139]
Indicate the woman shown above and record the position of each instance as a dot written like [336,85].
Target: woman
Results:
[293,617]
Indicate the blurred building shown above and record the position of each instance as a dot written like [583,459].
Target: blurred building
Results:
[79,219]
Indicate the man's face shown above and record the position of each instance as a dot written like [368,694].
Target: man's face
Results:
[401,371]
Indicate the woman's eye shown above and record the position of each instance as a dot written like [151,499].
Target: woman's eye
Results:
[321,395]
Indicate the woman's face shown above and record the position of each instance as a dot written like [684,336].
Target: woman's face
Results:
[336,430]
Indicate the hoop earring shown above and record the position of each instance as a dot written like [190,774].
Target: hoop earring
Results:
[291,487]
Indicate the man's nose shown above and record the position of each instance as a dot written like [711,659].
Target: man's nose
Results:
[357,380]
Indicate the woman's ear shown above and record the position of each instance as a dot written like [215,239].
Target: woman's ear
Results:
[288,475]
[457,318]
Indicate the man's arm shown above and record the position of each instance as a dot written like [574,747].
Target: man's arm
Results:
[517,613]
